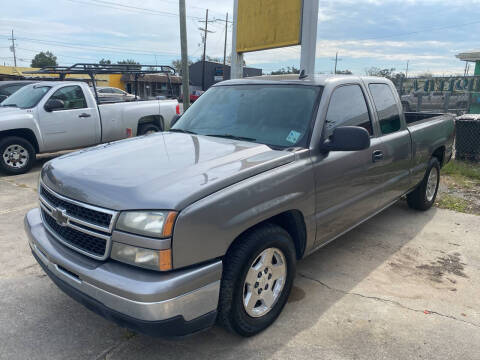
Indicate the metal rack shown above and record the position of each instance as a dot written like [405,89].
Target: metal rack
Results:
[92,69]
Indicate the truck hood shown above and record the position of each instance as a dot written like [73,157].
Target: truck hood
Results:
[12,113]
[165,171]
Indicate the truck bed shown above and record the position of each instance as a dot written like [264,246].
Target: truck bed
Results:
[413,117]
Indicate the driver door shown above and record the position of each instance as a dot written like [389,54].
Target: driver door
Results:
[73,126]
[347,183]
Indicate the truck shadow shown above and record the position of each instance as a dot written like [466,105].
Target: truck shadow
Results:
[323,279]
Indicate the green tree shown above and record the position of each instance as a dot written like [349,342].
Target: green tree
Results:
[128,62]
[43,59]
[177,65]
[288,70]
[344,72]
[105,62]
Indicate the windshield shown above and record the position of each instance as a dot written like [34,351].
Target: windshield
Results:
[27,97]
[275,115]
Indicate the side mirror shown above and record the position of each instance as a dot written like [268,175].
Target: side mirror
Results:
[348,138]
[54,104]
[175,119]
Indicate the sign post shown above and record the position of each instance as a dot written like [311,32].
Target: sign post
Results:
[269,24]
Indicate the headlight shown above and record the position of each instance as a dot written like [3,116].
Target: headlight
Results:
[146,258]
[149,223]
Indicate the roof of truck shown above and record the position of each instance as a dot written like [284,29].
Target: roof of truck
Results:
[317,80]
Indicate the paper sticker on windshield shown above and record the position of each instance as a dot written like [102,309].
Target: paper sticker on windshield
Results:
[293,136]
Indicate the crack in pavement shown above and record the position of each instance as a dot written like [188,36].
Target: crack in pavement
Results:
[20,185]
[388,301]
[104,354]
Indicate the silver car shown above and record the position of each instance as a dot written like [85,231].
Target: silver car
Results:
[112,94]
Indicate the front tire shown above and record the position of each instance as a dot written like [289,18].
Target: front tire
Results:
[17,155]
[257,279]
[423,197]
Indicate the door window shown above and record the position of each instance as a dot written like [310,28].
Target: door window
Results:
[116,91]
[348,108]
[387,109]
[72,97]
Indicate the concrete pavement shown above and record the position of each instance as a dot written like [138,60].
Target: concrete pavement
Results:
[404,285]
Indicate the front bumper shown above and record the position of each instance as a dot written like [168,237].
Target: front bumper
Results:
[166,304]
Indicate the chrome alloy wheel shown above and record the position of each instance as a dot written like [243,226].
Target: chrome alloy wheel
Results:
[15,156]
[432,184]
[264,282]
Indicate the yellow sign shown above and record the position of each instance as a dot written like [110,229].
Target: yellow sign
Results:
[268,24]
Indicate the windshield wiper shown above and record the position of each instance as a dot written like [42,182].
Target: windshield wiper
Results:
[233,137]
[10,105]
[183,131]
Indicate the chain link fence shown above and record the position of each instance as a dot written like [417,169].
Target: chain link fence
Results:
[457,95]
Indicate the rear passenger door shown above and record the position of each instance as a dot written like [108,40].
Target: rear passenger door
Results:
[347,183]
[397,144]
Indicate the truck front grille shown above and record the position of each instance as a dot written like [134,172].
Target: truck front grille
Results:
[78,239]
[95,217]
[81,227]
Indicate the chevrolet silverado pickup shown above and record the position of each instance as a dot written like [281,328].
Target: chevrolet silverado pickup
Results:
[169,233]
[52,116]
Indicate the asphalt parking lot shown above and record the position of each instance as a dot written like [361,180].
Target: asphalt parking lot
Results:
[404,285]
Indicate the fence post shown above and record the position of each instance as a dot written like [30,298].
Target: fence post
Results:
[446,102]
[419,102]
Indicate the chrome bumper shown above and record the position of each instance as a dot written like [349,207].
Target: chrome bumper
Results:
[139,294]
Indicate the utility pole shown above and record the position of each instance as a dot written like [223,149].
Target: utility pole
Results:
[406,71]
[336,61]
[184,48]
[225,47]
[13,49]
[206,31]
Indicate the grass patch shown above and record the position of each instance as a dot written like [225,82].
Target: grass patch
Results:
[450,202]
[463,169]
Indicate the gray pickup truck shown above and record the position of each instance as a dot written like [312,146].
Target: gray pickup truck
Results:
[168,233]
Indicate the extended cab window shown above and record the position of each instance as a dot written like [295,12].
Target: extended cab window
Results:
[387,109]
[348,108]
[72,97]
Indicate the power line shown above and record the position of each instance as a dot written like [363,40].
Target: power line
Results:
[106,49]
[124,7]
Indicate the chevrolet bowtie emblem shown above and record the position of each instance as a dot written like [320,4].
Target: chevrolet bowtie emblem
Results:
[60,216]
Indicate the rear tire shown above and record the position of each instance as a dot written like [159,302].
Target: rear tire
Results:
[150,128]
[423,197]
[17,155]
[258,273]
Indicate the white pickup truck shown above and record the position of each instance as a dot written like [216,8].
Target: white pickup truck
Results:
[51,116]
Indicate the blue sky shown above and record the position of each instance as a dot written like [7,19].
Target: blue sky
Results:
[366,33]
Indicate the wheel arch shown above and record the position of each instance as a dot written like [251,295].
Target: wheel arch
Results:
[439,153]
[292,221]
[152,119]
[26,134]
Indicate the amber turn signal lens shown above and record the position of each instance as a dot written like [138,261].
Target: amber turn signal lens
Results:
[165,260]
[169,222]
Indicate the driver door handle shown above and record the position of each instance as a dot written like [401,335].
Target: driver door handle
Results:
[377,155]
[84,115]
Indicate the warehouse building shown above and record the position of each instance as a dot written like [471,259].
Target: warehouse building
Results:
[214,72]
